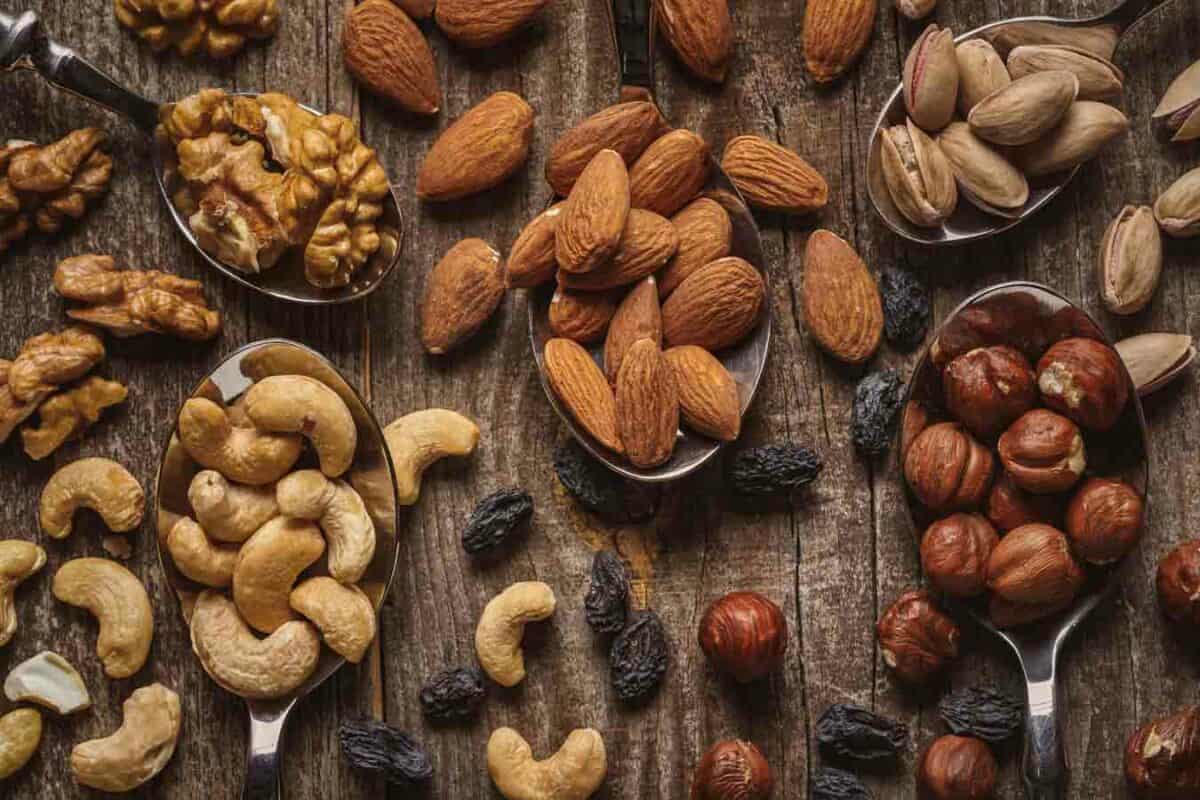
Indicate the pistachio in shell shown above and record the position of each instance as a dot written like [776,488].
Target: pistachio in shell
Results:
[1178,112]
[1156,359]
[1098,39]
[1178,208]
[931,79]
[1099,78]
[986,178]
[981,71]
[1130,260]
[918,176]
[1086,129]
[1026,109]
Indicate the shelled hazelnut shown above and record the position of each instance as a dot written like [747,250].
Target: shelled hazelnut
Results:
[955,551]
[917,639]
[1043,452]
[732,770]
[988,388]
[1162,759]
[947,469]
[1033,565]
[957,768]
[914,419]
[1104,520]
[1009,506]
[744,634]
[1007,614]
[1085,380]
[1178,584]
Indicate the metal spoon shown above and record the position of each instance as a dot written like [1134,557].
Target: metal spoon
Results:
[371,474]
[633,33]
[1030,317]
[25,45]
[1100,34]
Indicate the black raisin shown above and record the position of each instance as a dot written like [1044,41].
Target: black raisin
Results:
[847,731]
[774,469]
[877,401]
[599,489]
[639,657]
[986,714]
[905,308]
[837,784]
[453,695]
[495,518]
[371,745]
[607,600]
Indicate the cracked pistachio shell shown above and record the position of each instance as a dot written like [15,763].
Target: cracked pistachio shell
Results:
[1156,359]
[1099,78]
[1084,131]
[986,178]
[1026,109]
[981,71]
[1179,110]
[1178,208]
[1130,260]
[931,79]
[918,176]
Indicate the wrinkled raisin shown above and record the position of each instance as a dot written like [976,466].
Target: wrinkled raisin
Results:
[905,308]
[599,489]
[877,401]
[371,745]
[986,714]
[495,518]
[847,731]
[607,600]
[837,784]
[453,695]
[639,657]
[774,469]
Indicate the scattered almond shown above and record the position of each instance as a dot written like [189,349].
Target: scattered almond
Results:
[462,293]
[646,243]
[835,34]
[594,215]
[638,317]
[700,32]
[647,405]
[627,128]
[581,316]
[841,301]
[670,173]
[388,54]
[715,306]
[531,260]
[484,23]
[772,177]
[705,234]
[479,151]
[580,385]
[708,394]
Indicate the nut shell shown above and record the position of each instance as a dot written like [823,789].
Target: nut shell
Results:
[1033,565]
[989,388]
[916,638]
[931,79]
[1130,261]
[1178,584]
[981,71]
[947,469]
[955,552]
[957,768]
[1085,380]
[745,635]
[1043,452]
[917,174]
[1104,520]
[732,770]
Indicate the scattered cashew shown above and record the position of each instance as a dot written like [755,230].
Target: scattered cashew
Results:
[49,680]
[245,455]
[343,614]
[297,404]
[418,439]
[197,557]
[267,567]
[20,733]
[138,750]
[100,484]
[575,772]
[244,664]
[230,512]
[502,624]
[18,560]
[119,602]
[341,513]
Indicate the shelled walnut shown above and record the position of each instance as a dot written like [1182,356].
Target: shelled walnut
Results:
[44,363]
[218,28]
[68,415]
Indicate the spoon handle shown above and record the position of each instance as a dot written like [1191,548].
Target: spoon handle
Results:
[263,755]
[1044,768]
[633,31]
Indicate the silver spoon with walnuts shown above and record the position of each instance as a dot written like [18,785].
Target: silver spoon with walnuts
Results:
[273,193]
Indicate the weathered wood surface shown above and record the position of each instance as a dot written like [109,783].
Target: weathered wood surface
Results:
[833,558]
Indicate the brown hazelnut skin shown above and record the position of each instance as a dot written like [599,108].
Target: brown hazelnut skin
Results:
[1033,565]
[732,770]
[947,469]
[1162,759]
[744,634]
[957,768]
[1178,584]
[1009,506]
[1085,380]
[1104,520]
[955,551]
[916,638]
[915,419]
[1007,614]
[987,388]
[1043,452]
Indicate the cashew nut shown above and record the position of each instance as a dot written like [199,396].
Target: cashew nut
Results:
[138,750]
[341,513]
[197,557]
[119,602]
[418,439]
[245,455]
[230,512]
[100,484]
[502,624]
[49,680]
[575,772]
[20,733]
[244,664]
[297,404]
[267,567]
[18,560]
[343,614]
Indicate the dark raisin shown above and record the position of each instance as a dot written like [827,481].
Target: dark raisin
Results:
[774,469]
[607,600]
[905,308]
[847,731]
[599,489]
[986,714]
[453,695]
[495,518]
[837,784]
[877,401]
[639,657]
[371,745]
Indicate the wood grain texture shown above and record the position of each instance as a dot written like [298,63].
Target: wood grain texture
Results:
[834,557]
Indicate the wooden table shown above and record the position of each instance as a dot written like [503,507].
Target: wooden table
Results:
[834,558]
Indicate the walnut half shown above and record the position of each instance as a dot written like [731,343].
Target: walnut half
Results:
[216,28]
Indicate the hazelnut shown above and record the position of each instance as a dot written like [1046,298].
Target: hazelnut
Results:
[955,551]
[989,387]
[1009,506]
[1007,614]
[947,469]
[732,770]
[957,768]
[1162,759]
[1179,583]
[1043,452]
[744,634]
[1104,520]
[1014,318]
[915,419]
[1033,565]
[1085,380]
[916,638]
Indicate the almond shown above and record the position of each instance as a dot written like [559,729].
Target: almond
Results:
[840,298]
[531,259]
[705,234]
[462,292]
[646,243]
[480,150]
[715,306]
[670,173]
[627,128]
[701,34]
[388,54]
[647,405]
[638,317]
[772,177]
[835,34]
[581,316]
[483,23]
[417,9]
[580,385]
[594,215]
[708,394]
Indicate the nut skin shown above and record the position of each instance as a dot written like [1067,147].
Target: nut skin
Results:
[1009,506]
[988,388]
[1162,759]
[1043,452]
[1104,520]
[955,551]
[916,638]
[1033,565]
[947,469]
[732,770]
[1178,584]
[1085,380]
[957,768]
[745,635]
[1006,614]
